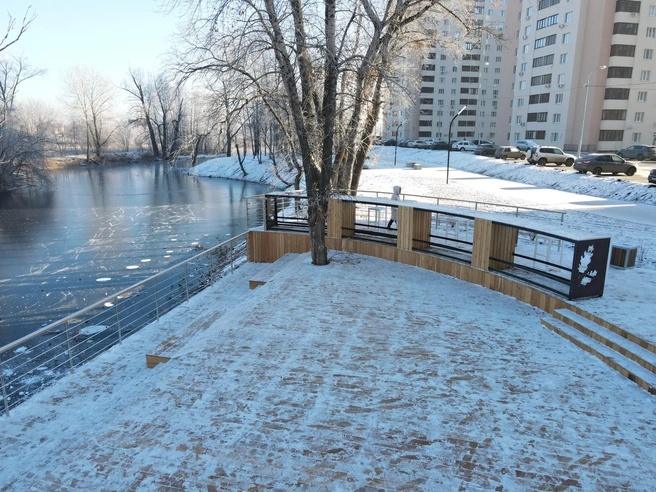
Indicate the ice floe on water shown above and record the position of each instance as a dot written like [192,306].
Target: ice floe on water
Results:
[131,267]
[103,279]
[92,330]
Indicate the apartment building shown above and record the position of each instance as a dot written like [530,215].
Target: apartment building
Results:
[578,74]
[449,82]
[582,78]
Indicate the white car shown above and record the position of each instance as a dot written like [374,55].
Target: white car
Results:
[463,145]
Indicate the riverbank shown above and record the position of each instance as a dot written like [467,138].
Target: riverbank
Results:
[60,162]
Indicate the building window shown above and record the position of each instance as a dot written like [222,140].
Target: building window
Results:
[554,137]
[546,41]
[440,91]
[425,134]
[566,38]
[539,98]
[427,90]
[648,54]
[543,60]
[611,135]
[556,118]
[425,112]
[630,28]
[425,123]
[563,58]
[651,32]
[520,102]
[541,79]
[620,72]
[539,117]
[425,100]
[644,75]
[617,93]
[652,10]
[561,78]
[613,114]
[518,120]
[428,78]
[622,50]
[428,68]
[546,22]
[636,137]
[559,99]
[627,6]
[543,4]
[642,96]
[525,49]
[639,117]
[522,85]
[568,16]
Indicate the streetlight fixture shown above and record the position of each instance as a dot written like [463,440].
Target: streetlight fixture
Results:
[585,104]
[396,142]
[448,152]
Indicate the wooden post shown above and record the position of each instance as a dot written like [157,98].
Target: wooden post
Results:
[341,214]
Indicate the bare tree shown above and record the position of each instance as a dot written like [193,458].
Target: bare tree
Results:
[314,45]
[23,135]
[142,91]
[92,96]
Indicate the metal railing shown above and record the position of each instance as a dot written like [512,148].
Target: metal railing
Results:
[460,203]
[36,360]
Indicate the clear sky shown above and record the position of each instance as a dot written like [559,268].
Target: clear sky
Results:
[109,35]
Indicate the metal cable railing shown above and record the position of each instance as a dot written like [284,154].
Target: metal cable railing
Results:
[36,360]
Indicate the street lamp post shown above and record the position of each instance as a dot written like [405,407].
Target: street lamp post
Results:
[585,104]
[396,142]
[448,152]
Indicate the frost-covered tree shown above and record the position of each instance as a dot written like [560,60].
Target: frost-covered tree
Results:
[316,49]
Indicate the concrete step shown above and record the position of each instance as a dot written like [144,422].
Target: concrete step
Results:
[632,348]
[625,366]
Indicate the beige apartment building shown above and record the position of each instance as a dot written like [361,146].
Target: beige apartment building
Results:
[577,74]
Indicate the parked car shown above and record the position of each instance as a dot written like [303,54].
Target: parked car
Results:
[481,142]
[525,144]
[509,152]
[486,149]
[420,144]
[652,177]
[603,163]
[440,145]
[640,152]
[404,142]
[390,142]
[463,145]
[545,154]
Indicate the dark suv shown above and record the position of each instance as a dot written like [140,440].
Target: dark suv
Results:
[544,154]
[640,152]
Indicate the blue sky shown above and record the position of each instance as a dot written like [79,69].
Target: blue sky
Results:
[108,35]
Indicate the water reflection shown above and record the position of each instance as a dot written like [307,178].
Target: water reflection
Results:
[93,223]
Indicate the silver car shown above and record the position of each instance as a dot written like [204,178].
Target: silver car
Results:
[603,163]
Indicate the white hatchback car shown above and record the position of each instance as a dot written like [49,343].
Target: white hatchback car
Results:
[463,145]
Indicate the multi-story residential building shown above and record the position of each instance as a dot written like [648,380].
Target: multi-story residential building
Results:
[570,73]
[583,73]
[448,82]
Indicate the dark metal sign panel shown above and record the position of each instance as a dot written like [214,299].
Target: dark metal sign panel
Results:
[589,268]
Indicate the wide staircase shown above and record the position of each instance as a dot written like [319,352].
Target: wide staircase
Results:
[629,355]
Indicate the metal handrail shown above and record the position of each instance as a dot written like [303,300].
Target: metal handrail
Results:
[52,349]
[475,203]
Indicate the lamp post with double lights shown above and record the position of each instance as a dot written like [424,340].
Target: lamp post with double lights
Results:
[396,143]
[448,152]
[585,104]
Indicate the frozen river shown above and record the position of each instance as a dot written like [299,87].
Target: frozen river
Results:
[97,230]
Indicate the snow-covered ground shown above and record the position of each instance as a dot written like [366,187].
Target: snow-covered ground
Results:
[609,206]
[359,384]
